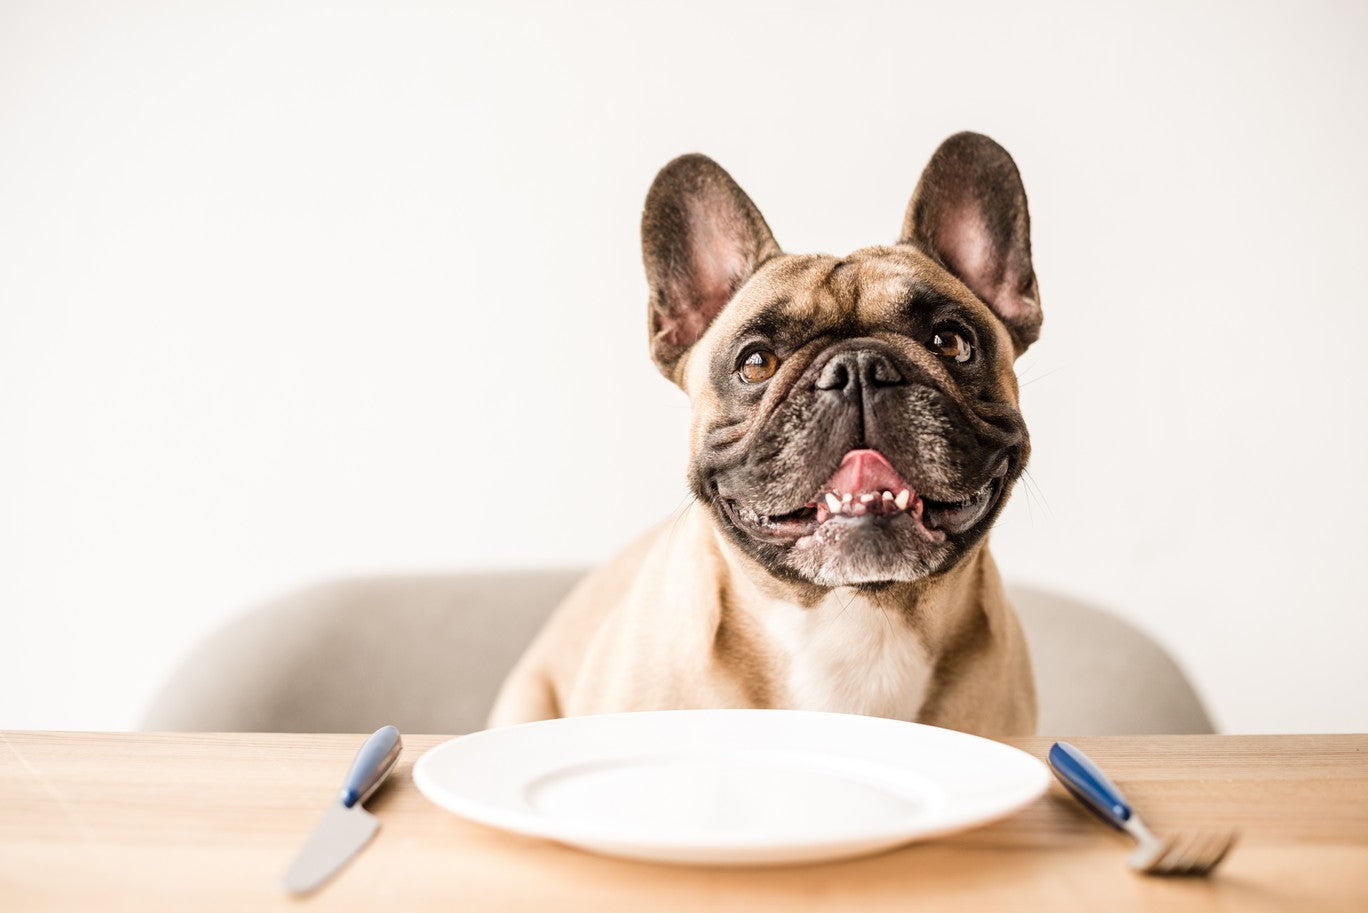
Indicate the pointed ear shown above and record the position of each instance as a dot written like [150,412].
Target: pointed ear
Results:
[701,238]
[969,212]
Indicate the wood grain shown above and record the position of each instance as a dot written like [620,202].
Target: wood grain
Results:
[114,821]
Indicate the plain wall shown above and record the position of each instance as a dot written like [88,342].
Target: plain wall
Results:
[291,291]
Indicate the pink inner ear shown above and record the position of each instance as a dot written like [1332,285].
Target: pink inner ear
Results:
[716,260]
[967,247]
[963,241]
[684,326]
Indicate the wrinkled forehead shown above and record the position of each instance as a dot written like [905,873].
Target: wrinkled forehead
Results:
[873,289]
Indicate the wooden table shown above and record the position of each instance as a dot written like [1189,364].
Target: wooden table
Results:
[112,821]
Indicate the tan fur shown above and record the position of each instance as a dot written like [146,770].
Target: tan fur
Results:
[641,633]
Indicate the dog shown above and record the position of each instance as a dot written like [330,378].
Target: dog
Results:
[855,432]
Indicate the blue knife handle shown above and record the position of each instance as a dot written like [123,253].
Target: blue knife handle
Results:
[1089,784]
[372,763]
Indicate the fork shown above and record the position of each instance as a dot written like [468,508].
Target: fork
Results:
[1190,854]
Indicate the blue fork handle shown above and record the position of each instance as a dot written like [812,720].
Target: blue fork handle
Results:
[1089,784]
[372,763]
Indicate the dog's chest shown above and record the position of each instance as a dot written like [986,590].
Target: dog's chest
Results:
[849,656]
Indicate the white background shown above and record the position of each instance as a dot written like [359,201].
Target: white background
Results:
[291,291]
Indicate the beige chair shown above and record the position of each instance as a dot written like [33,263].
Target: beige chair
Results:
[427,653]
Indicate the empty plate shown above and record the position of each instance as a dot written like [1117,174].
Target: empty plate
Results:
[729,787]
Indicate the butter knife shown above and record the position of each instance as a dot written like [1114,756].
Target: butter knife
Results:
[346,826]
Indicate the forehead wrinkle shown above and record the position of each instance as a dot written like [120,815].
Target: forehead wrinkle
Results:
[893,278]
[843,288]
[903,261]
[884,293]
[808,297]
[829,305]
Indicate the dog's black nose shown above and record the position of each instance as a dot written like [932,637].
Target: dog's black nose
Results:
[847,372]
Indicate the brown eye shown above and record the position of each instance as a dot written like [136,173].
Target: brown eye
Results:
[950,344]
[759,365]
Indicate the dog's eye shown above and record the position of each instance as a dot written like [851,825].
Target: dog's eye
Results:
[950,344]
[759,365]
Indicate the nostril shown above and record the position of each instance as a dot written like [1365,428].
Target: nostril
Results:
[835,376]
[880,371]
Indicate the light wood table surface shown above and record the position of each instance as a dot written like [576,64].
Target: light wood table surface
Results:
[111,821]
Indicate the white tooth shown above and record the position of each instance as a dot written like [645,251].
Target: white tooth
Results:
[867,497]
[833,503]
[903,497]
[845,498]
[888,496]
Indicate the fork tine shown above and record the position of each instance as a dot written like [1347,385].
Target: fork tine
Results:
[1160,858]
[1147,853]
[1219,851]
[1173,861]
[1175,857]
[1225,849]
[1197,854]
[1199,850]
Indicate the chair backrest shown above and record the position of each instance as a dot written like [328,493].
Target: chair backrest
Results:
[428,653]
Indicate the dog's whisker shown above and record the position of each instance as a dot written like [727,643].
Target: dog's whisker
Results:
[1034,491]
[686,504]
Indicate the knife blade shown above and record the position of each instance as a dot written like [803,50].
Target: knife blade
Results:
[346,826]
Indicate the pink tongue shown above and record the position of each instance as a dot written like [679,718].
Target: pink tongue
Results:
[863,471]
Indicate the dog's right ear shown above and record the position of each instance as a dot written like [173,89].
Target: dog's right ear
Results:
[701,238]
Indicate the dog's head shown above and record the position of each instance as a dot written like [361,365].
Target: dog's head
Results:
[855,419]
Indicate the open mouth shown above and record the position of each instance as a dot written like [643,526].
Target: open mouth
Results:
[867,489]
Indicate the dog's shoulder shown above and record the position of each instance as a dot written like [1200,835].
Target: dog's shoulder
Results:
[603,612]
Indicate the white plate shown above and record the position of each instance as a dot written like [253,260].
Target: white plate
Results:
[729,787]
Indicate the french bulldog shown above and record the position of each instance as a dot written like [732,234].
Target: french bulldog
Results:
[855,432]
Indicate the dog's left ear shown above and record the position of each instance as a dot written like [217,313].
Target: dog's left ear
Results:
[701,238]
[969,212]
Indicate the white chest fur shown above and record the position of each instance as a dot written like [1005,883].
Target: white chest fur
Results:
[849,656]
